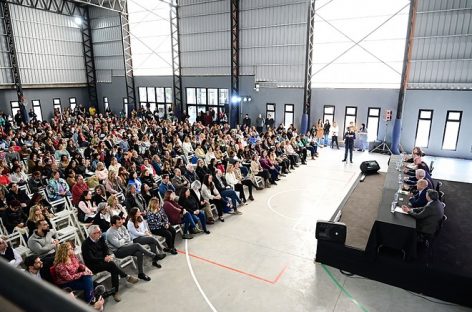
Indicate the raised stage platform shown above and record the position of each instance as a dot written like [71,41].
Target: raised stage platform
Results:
[445,272]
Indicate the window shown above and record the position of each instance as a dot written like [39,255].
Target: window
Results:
[105,103]
[270,110]
[142,96]
[373,119]
[288,115]
[350,116]
[164,101]
[57,104]
[37,110]
[72,103]
[125,106]
[328,113]
[451,130]
[15,106]
[205,99]
[423,128]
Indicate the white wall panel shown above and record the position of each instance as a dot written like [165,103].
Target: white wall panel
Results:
[205,39]
[273,40]
[49,47]
[107,43]
[5,68]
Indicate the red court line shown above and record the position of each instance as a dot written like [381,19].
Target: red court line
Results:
[277,278]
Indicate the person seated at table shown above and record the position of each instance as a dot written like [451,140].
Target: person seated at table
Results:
[419,199]
[70,272]
[416,152]
[419,174]
[428,216]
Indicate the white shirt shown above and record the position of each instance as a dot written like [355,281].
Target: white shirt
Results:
[137,232]
[17,261]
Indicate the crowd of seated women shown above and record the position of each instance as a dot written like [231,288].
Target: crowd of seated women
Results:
[161,172]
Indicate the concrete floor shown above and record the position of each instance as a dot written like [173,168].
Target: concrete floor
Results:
[263,259]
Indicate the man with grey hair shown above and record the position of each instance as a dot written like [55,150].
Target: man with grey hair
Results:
[419,199]
[429,216]
[9,254]
[419,174]
[179,181]
[98,257]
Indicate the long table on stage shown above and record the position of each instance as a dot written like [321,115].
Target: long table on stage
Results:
[393,230]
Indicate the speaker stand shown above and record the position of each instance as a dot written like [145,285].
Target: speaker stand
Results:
[383,147]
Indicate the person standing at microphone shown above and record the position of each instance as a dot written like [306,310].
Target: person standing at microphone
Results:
[349,138]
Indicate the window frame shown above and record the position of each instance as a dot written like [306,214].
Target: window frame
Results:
[324,113]
[350,115]
[39,116]
[458,129]
[57,105]
[289,112]
[378,120]
[106,104]
[17,108]
[273,112]
[218,107]
[430,125]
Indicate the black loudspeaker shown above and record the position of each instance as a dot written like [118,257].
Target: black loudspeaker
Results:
[331,231]
[369,167]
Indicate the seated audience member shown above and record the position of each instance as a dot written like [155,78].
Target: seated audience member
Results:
[100,195]
[101,172]
[203,204]
[179,181]
[16,194]
[18,176]
[112,185]
[140,234]
[134,199]
[99,258]
[419,199]
[236,184]
[257,170]
[87,210]
[78,189]
[159,224]
[43,243]
[166,185]
[9,254]
[210,193]
[267,165]
[103,217]
[177,214]
[34,266]
[115,208]
[119,241]
[135,181]
[57,187]
[191,204]
[37,213]
[226,191]
[429,216]
[70,272]
[36,182]
[15,218]
[201,169]
[190,173]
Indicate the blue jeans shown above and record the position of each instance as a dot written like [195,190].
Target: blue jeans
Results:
[84,283]
[232,195]
[189,222]
[326,139]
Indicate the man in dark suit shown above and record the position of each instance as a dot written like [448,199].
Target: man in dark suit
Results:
[419,199]
[429,216]
[349,138]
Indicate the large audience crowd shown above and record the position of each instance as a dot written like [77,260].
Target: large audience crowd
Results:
[130,182]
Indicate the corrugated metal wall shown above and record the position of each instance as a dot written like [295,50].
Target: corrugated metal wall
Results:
[5,68]
[205,39]
[49,47]
[273,40]
[107,44]
[442,50]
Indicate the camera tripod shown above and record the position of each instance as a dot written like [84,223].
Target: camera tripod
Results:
[383,147]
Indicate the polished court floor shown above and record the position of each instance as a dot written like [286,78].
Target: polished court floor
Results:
[263,259]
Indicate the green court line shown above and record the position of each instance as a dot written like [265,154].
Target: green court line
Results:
[342,289]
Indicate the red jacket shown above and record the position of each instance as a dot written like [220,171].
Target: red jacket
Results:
[77,191]
[173,211]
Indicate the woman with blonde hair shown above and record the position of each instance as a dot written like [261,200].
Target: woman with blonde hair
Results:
[116,209]
[37,213]
[159,224]
[231,179]
[112,185]
[101,172]
[70,272]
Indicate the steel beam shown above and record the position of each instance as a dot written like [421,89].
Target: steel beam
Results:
[127,59]
[234,95]
[308,66]
[89,60]
[5,7]
[63,7]
[405,76]
[178,108]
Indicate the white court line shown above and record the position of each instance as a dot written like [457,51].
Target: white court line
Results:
[195,279]
[275,211]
